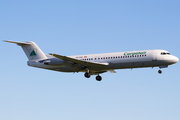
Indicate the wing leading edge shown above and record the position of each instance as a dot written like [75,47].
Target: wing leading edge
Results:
[81,62]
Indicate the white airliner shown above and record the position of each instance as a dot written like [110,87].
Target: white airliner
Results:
[95,64]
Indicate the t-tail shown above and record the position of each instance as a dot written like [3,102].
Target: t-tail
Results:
[32,51]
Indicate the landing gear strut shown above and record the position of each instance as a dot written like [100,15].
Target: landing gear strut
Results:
[98,78]
[159,71]
[87,75]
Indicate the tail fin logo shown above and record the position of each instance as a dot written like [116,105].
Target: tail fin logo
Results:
[33,53]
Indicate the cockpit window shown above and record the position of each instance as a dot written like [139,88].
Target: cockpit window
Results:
[165,53]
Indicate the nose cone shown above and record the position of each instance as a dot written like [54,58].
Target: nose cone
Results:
[170,59]
[175,59]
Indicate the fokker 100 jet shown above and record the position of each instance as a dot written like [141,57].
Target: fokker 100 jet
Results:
[95,64]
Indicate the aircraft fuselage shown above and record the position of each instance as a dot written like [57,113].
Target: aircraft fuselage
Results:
[95,64]
[119,60]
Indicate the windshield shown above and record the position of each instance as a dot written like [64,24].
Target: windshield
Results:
[165,53]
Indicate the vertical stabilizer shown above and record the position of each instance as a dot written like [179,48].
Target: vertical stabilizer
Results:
[32,51]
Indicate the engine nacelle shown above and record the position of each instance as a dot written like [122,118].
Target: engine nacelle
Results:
[51,62]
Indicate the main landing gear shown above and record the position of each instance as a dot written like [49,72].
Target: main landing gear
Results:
[98,78]
[88,75]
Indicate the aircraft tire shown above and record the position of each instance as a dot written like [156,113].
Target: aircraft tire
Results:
[87,75]
[98,78]
[159,71]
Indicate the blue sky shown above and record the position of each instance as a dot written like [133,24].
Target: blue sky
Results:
[86,27]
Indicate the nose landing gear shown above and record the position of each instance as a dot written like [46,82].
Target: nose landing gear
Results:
[162,66]
[159,71]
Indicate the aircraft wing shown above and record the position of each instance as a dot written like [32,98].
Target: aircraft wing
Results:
[80,62]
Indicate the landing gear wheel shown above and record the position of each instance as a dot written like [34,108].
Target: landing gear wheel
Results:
[159,71]
[98,78]
[87,75]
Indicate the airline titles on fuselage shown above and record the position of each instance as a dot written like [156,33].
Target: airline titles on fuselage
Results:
[125,55]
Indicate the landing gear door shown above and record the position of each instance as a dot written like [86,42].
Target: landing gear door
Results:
[154,57]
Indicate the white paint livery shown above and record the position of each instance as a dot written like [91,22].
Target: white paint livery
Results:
[96,64]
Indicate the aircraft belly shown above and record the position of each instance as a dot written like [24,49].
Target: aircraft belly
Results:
[124,65]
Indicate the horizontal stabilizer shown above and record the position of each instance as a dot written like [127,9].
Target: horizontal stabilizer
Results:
[81,62]
[18,43]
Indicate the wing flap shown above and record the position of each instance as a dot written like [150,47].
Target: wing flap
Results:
[81,62]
